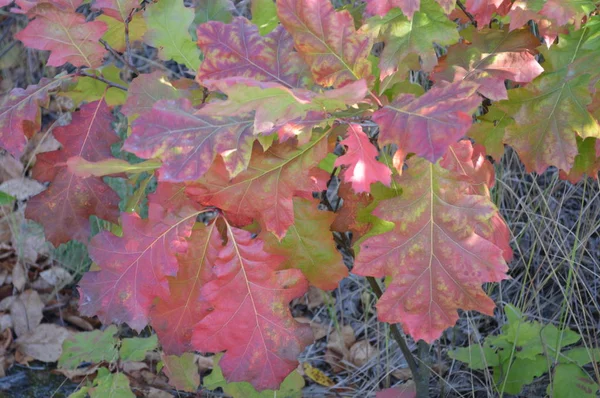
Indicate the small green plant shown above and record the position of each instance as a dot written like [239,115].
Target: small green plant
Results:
[526,350]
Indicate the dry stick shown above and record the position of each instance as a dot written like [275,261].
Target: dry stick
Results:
[420,373]
[103,80]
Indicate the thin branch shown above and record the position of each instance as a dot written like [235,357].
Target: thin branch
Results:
[467,13]
[116,54]
[103,80]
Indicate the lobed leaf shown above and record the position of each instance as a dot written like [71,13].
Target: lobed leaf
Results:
[67,36]
[71,200]
[238,50]
[187,141]
[247,314]
[309,246]
[20,114]
[429,124]
[117,9]
[492,57]
[327,40]
[133,269]
[434,255]
[361,156]
[264,191]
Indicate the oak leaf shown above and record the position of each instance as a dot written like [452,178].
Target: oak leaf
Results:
[264,191]
[71,200]
[20,114]
[408,7]
[483,10]
[144,91]
[247,314]
[427,125]
[309,246]
[187,141]
[275,105]
[493,56]
[270,58]
[336,53]
[406,40]
[363,167]
[434,255]
[134,268]
[118,9]
[174,317]
[67,36]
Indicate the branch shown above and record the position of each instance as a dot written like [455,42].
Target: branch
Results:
[467,13]
[103,80]
[420,373]
[116,54]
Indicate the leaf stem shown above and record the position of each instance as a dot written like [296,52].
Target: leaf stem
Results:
[420,372]
[118,56]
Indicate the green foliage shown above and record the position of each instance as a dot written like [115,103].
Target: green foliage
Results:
[290,388]
[526,350]
[95,347]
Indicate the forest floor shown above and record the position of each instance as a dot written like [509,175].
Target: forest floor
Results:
[555,279]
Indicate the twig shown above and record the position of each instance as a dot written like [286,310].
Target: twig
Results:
[116,54]
[103,80]
[420,373]
[467,13]
[127,41]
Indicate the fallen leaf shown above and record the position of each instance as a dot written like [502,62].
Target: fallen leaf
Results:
[316,375]
[5,322]
[26,312]
[22,188]
[44,343]
[57,276]
[19,276]
[361,352]
[204,363]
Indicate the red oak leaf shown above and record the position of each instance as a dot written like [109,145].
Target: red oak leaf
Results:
[70,200]
[175,316]
[327,40]
[493,57]
[270,58]
[470,161]
[483,10]
[363,167]
[427,125]
[171,196]
[309,246]
[408,7]
[187,141]
[67,36]
[133,269]
[247,314]
[587,161]
[521,11]
[27,5]
[144,91]
[265,190]
[434,255]
[118,9]
[20,114]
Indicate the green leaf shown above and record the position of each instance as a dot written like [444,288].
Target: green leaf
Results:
[580,356]
[168,22]
[6,199]
[570,381]
[73,256]
[264,15]
[476,356]
[408,39]
[521,373]
[182,371]
[111,385]
[94,347]
[135,349]
[88,89]
[115,35]
[213,10]
[290,388]
[489,132]
[81,393]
